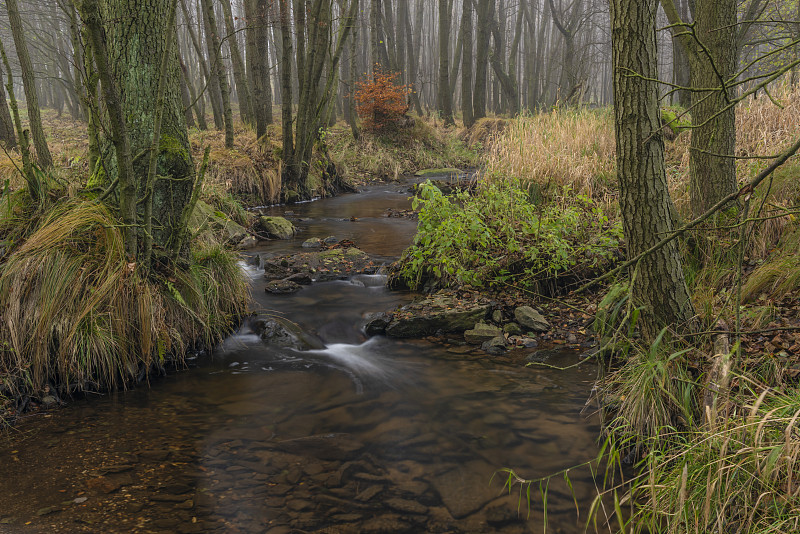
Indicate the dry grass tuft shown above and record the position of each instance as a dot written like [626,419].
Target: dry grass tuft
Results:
[483,131]
[77,316]
[248,171]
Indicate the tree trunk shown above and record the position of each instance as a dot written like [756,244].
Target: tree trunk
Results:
[135,51]
[482,59]
[246,112]
[212,80]
[7,135]
[658,286]
[257,29]
[29,85]
[466,66]
[218,69]
[444,97]
[712,169]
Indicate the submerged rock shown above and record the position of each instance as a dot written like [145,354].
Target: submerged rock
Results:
[495,346]
[282,287]
[277,227]
[531,319]
[436,313]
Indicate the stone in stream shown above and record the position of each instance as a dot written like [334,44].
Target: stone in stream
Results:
[247,243]
[277,227]
[531,319]
[284,333]
[330,240]
[495,346]
[322,446]
[481,333]
[512,329]
[323,265]
[463,489]
[282,287]
[376,323]
[300,278]
[313,242]
[433,314]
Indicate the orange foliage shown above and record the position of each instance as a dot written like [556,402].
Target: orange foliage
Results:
[381,102]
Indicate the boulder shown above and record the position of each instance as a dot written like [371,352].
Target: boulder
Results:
[330,240]
[436,313]
[322,265]
[531,319]
[481,333]
[277,227]
[300,278]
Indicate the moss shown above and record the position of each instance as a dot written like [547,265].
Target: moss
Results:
[670,118]
[174,157]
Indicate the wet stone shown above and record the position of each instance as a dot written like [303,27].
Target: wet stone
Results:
[385,524]
[369,493]
[47,510]
[405,506]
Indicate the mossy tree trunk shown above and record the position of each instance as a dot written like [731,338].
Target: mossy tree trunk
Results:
[258,58]
[712,54]
[135,49]
[7,135]
[29,85]
[481,59]
[659,287]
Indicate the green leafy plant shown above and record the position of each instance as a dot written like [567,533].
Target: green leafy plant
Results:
[498,236]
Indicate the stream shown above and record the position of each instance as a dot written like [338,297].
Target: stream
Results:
[364,436]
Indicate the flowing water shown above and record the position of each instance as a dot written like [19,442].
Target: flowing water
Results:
[363,435]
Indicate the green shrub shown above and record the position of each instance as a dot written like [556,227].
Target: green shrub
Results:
[497,236]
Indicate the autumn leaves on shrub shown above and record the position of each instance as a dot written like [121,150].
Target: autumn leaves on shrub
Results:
[381,102]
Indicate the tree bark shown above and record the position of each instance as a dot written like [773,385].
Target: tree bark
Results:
[482,59]
[246,112]
[444,97]
[658,286]
[218,68]
[29,85]
[7,135]
[466,66]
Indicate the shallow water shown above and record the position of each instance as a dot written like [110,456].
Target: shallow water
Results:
[366,435]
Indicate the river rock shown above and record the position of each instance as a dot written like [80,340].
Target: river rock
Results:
[283,333]
[330,240]
[214,221]
[300,278]
[435,313]
[481,333]
[531,319]
[331,447]
[314,242]
[376,323]
[247,243]
[277,227]
[495,346]
[463,489]
[512,329]
[508,509]
[322,266]
[281,287]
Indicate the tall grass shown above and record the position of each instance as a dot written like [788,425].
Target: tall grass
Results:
[76,315]
[564,147]
[739,477]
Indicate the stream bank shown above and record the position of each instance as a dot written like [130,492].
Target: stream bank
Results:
[356,435]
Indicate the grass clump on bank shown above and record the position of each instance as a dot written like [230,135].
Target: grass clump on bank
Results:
[500,236]
[77,316]
[420,144]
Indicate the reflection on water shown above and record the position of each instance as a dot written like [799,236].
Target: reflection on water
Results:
[364,436]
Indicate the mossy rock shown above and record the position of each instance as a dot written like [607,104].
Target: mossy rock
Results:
[277,227]
[438,172]
[216,221]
